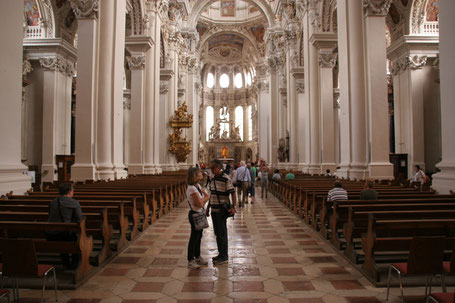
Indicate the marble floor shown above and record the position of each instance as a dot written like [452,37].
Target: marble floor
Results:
[274,257]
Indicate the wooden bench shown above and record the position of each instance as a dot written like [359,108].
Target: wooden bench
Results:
[96,225]
[340,211]
[357,223]
[129,208]
[394,235]
[115,215]
[37,230]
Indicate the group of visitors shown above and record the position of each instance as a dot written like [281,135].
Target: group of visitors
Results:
[339,193]
[222,202]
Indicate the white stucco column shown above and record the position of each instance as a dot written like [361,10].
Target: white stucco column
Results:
[303,129]
[126,125]
[408,85]
[312,70]
[118,45]
[352,89]
[172,105]
[138,48]
[109,130]
[412,77]
[193,109]
[245,123]
[379,166]
[11,169]
[57,80]
[291,62]
[273,122]
[445,180]
[164,118]
[326,43]
[87,71]
[264,118]
[158,128]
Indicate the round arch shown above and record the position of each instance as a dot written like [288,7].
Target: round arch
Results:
[200,5]
[138,23]
[250,39]
[47,18]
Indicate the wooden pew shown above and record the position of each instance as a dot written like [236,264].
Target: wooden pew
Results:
[358,221]
[340,210]
[394,235]
[382,195]
[139,205]
[96,225]
[115,215]
[36,230]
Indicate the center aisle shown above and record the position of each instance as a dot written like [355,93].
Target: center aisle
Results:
[274,257]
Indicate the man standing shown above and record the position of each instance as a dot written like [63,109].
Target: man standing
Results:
[243,176]
[221,188]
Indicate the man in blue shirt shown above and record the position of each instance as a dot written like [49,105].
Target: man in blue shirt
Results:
[244,178]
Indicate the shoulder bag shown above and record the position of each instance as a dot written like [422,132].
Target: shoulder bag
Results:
[199,218]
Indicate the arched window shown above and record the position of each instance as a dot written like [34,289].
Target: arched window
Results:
[248,79]
[208,121]
[250,123]
[238,82]
[239,120]
[210,80]
[224,81]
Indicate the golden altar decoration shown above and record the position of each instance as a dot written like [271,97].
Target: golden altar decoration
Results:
[179,146]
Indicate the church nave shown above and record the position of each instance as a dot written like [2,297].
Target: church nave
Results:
[274,257]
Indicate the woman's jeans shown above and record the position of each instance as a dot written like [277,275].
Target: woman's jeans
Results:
[194,246]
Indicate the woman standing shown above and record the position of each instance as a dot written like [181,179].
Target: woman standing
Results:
[197,197]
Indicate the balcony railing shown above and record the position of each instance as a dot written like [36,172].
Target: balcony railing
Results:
[34,32]
[431,28]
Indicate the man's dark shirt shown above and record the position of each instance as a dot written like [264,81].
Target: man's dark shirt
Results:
[70,209]
[368,194]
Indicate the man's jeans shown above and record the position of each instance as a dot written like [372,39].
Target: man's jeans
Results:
[220,229]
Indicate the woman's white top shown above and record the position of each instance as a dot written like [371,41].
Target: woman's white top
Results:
[191,190]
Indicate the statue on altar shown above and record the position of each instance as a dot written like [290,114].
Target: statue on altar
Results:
[225,152]
[224,136]
[235,133]
[215,131]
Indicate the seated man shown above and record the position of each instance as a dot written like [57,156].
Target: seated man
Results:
[337,192]
[369,193]
[290,175]
[276,176]
[68,210]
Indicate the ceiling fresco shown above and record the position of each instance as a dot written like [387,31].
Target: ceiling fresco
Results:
[433,10]
[227,40]
[258,32]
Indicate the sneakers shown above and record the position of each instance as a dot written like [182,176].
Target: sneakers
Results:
[193,264]
[201,261]
[219,261]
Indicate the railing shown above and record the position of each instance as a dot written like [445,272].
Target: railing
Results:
[431,28]
[34,32]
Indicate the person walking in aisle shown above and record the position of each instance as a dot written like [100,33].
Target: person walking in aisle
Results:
[244,180]
[264,179]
